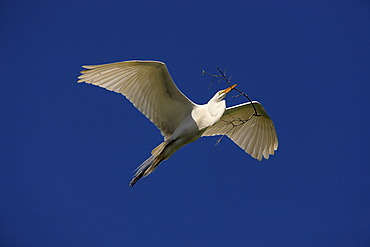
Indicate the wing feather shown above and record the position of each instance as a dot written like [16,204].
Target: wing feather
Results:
[149,87]
[256,135]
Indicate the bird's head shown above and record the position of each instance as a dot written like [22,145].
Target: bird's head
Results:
[222,94]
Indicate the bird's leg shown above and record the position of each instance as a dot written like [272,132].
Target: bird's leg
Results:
[136,178]
[149,166]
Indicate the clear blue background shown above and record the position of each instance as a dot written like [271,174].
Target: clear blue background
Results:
[68,150]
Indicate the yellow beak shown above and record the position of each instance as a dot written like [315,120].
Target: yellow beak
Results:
[227,90]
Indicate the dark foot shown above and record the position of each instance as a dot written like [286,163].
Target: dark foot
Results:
[136,178]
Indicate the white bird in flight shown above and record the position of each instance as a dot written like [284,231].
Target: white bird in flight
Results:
[149,86]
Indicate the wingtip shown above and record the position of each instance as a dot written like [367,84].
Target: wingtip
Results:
[88,66]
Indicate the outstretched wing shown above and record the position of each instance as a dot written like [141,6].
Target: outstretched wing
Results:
[256,135]
[148,85]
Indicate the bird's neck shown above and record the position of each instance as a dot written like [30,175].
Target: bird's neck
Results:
[216,108]
[208,114]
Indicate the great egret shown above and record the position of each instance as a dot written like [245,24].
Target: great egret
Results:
[149,86]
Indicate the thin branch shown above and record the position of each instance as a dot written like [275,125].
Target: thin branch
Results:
[235,121]
[222,76]
[213,77]
[219,140]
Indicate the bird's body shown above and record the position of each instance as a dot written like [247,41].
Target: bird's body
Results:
[148,85]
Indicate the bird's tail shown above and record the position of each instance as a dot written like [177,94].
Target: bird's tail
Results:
[149,165]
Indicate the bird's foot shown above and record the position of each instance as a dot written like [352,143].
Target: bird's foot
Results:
[136,178]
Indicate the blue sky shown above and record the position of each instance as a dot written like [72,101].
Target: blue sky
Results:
[68,150]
